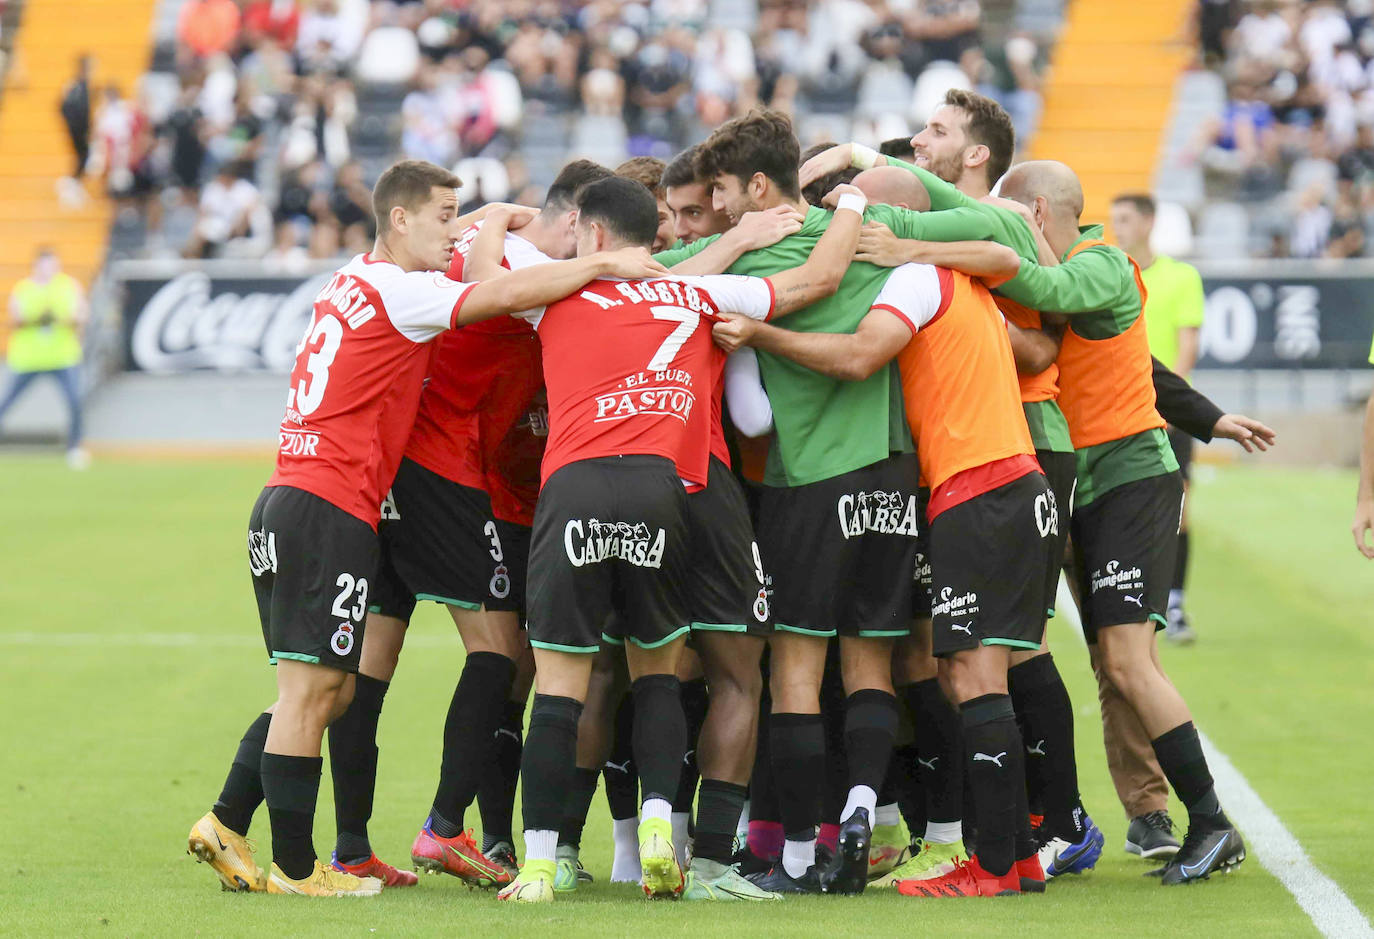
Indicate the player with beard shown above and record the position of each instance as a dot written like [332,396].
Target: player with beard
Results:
[965,147]
[968,143]
[990,510]
[838,446]
[1128,494]
[312,540]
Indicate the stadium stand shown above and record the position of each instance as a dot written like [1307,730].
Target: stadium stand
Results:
[257,135]
[1271,145]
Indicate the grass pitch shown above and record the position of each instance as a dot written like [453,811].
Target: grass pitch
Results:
[133,661]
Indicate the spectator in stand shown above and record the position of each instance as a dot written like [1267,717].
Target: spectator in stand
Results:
[1242,141]
[350,203]
[76,114]
[1311,224]
[944,28]
[229,210]
[428,131]
[278,20]
[207,27]
[186,131]
[330,33]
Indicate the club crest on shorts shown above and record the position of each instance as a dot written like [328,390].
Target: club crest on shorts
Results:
[500,582]
[761,606]
[342,640]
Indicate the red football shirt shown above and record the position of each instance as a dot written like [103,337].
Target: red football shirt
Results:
[356,383]
[630,367]
[484,380]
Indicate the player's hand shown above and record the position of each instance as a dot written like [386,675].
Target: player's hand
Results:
[1363,525]
[767,227]
[826,162]
[877,245]
[1246,431]
[733,331]
[514,216]
[631,263]
[832,198]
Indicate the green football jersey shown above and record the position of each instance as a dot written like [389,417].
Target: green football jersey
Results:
[823,426]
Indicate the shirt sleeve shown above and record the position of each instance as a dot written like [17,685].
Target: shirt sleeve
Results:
[422,304]
[1191,300]
[534,317]
[965,223]
[520,253]
[681,252]
[915,294]
[1093,280]
[735,293]
[750,410]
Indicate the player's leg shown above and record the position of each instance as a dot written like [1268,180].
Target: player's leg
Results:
[694,703]
[988,556]
[219,838]
[880,603]
[1139,782]
[622,795]
[496,794]
[835,784]
[353,751]
[797,748]
[547,765]
[353,737]
[939,756]
[726,752]
[1179,630]
[1127,540]
[794,524]
[595,737]
[764,838]
[309,696]
[869,712]
[660,743]
[730,625]
[445,546]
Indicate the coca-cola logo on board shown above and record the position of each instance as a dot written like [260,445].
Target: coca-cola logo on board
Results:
[184,326]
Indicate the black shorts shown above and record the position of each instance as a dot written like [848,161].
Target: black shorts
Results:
[1061,473]
[1124,546]
[441,542]
[841,551]
[988,556]
[610,535]
[1182,443]
[727,588]
[920,601]
[312,563]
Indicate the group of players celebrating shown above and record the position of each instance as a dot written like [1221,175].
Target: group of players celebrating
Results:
[525,416]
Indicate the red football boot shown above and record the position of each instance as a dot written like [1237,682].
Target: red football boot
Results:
[376,867]
[458,856]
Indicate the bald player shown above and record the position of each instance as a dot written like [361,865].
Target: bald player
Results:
[1129,492]
[964,148]
[990,511]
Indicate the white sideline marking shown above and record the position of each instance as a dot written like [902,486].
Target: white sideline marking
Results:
[1266,837]
[97,641]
